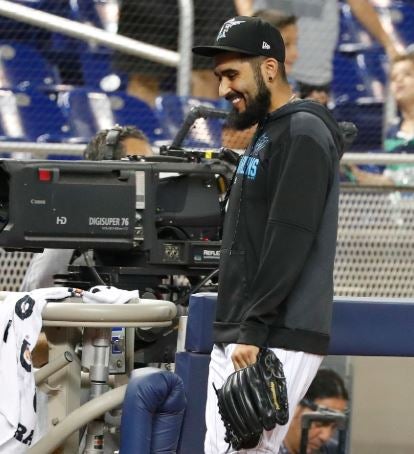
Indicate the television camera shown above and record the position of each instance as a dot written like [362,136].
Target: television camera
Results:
[163,217]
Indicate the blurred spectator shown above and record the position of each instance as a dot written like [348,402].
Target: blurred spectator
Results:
[123,140]
[318,34]
[327,392]
[288,29]
[156,23]
[400,136]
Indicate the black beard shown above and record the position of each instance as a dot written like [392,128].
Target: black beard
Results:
[255,110]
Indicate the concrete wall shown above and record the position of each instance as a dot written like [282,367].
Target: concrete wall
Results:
[382,405]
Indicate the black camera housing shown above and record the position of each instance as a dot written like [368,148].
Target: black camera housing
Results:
[133,213]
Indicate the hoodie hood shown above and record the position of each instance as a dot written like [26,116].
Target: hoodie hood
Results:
[315,108]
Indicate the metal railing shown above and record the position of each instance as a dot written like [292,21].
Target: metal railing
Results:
[42,150]
[377,158]
[181,59]
[185,43]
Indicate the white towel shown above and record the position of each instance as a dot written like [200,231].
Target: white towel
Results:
[102,294]
[20,324]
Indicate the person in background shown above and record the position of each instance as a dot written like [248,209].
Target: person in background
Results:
[287,27]
[318,22]
[157,23]
[327,392]
[400,136]
[126,141]
[279,236]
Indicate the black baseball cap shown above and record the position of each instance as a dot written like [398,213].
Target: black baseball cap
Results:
[246,35]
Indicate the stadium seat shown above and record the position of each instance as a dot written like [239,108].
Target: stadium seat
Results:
[22,66]
[173,109]
[401,17]
[376,63]
[358,86]
[59,49]
[98,73]
[368,117]
[69,53]
[95,60]
[103,14]
[359,75]
[30,116]
[20,31]
[88,112]
[352,36]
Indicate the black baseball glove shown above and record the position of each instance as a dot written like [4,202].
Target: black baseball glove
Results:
[252,399]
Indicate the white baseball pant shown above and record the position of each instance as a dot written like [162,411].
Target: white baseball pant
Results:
[300,369]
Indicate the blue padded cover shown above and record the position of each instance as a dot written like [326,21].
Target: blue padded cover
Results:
[152,413]
[201,313]
[193,369]
[380,327]
[360,326]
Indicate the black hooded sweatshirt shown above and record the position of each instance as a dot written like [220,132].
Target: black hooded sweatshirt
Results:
[279,238]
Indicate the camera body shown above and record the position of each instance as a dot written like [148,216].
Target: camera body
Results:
[134,213]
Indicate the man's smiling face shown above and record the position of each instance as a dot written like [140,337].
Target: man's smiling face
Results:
[241,82]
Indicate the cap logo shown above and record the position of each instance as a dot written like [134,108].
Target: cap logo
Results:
[227,26]
[265,45]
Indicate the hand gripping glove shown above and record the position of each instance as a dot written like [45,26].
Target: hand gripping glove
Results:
[252,399]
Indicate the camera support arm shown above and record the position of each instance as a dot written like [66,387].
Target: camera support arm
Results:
[195,113]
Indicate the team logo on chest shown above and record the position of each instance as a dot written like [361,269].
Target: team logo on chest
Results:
[261,144]
[248,167]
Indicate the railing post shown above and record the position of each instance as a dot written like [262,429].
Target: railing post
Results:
[185,43]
